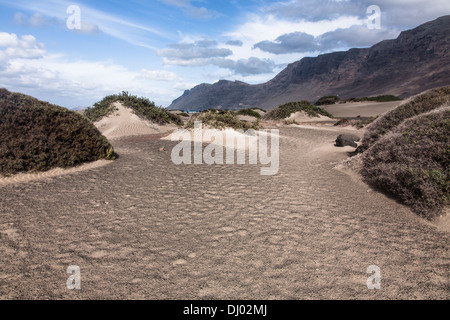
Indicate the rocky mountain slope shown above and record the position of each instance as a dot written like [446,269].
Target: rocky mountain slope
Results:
[419,59]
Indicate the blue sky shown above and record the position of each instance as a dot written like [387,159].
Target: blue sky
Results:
[160,48]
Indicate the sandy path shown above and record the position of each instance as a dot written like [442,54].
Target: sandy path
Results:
[142,227]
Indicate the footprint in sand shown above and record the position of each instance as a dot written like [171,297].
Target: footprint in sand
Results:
[228,229]
[183,261]
[179,262]
[98,254]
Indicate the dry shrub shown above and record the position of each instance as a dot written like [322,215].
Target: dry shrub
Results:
[221,119]
[141,106]
[412,162]
[37,136]
[425,102]
[284,111]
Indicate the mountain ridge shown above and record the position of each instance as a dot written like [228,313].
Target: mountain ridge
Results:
[417,60]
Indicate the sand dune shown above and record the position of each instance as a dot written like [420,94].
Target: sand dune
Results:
[124,122]
[302,117]
[215,136]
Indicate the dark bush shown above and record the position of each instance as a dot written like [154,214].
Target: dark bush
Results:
[248,112]
[284,111]
[141,106]
[422,103]
[412,162]
[327,100]
[37,136]
[221,120]
[382,98]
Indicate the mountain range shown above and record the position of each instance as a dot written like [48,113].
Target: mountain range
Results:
[419,59]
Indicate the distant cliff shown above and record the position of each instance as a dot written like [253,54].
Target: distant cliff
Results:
[417,60]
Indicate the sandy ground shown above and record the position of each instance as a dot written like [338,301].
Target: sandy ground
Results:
[247,118]
[124,122]
[363,109]
[301,117]
[217,137]
[144,228]
[26,177]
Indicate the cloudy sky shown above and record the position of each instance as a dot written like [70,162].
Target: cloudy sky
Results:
[73,53]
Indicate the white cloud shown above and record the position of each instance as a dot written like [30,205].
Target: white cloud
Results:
[258,28]
[202,49]
[399,14]
[38,20]
[189,9]
[25,47]
[207,52]
[20,18]
[159,75]
[88,28]
[246,67]
[353,37]
[237,43]
[182,86]
[26,67]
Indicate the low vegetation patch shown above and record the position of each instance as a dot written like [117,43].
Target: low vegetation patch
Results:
[412,161]
[248,112]
[38,136]
[359,124]
[284,111]
[382,98]
[425,102]
[327,100]
[221,119]
[141,106]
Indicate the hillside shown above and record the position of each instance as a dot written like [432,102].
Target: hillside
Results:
[38,136]
[419,59]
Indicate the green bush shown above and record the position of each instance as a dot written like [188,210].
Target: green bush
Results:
[327,100]
[412,162]
[102,108]
[221,120]
[284,111]
[382,98]
[141,106]
[422,103]
[38,136]
[248,112]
